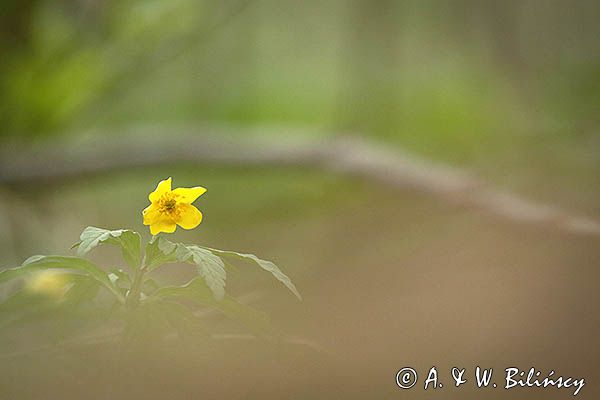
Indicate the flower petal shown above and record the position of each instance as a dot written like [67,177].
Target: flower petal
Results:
[163,187]
[189,217]
[188,195]
[151,214]
[158,221]
[164,225]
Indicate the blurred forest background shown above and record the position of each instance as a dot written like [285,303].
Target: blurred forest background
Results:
[509,90]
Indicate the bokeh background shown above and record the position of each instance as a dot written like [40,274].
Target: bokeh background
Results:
[391,276]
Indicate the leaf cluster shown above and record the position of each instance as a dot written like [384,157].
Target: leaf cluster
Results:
[145,305]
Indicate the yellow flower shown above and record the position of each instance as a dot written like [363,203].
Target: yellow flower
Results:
[48,283]
[170,208]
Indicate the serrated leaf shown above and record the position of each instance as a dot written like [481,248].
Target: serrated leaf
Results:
[74,264]
[264,264]
[129,241]
[198,291]
[166,246]
[159,251]
[210,267]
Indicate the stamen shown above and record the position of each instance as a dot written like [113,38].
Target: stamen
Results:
[168,204]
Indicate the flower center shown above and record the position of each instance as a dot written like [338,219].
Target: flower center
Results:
[168,204]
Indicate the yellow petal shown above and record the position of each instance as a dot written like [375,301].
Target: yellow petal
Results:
[158,221]
[163,187]
[151,214]
[190,217]
[188,195]
[164,225]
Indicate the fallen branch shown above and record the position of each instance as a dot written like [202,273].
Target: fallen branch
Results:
[140,146]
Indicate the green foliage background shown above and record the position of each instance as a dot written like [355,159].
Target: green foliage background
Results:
[505,89]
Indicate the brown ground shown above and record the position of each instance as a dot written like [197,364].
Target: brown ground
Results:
[390,279]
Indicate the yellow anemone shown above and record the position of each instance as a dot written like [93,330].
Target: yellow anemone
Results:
[170,208]
[48,283]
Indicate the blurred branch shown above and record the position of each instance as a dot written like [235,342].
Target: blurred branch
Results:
[142,146]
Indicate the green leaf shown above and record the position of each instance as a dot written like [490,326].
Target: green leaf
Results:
[159,251]
[266,265]
[197,290]
[129,241]
[84,289]
[210,267]
[20,301]
[119,277]
[79,289]
[73,264]
[24,305]
[31,305]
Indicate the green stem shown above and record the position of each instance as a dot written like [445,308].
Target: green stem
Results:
[133,296]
